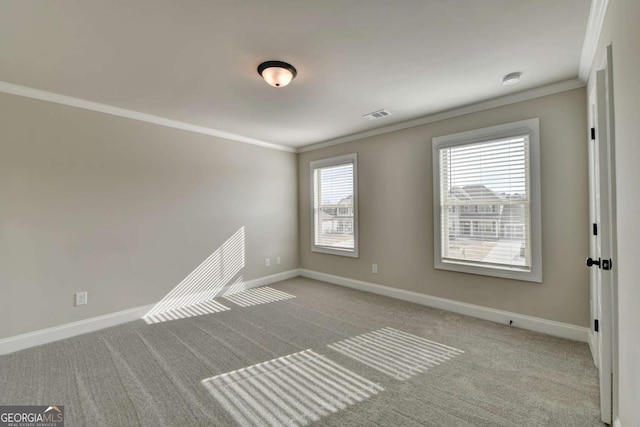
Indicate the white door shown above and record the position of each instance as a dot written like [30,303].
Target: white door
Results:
[599,261]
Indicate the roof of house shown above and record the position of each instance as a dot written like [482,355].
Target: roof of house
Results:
[347,201]
[512,213]
[478,192]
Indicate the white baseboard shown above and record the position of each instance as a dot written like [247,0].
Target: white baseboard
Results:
[267,280]
[44,336]
[239,285]
[548,327]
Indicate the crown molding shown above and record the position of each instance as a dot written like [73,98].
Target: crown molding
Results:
[42,95]
[597,14]
[456,112]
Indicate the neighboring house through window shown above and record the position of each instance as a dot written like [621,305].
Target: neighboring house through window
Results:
[334,206]
[487,201]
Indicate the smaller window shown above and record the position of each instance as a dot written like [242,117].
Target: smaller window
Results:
[334,206]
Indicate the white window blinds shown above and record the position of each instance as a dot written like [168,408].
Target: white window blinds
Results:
[334,205]
[485,203]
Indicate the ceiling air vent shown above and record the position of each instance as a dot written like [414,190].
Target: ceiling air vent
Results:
[377,115]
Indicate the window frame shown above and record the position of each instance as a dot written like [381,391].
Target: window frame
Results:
[530,127]
[328,162]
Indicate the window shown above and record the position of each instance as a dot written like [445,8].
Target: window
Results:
[493,176]
[334,206]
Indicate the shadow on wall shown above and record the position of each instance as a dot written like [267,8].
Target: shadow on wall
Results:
[218,275]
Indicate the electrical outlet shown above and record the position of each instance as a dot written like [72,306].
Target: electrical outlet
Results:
[278,260]
[374,268]
[267,262]
[81,298]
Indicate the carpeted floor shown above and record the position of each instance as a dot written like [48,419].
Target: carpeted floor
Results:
[326,356]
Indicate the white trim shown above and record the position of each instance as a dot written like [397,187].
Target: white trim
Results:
[42,95]
[549,327]
[613,203]
[593,346]
[530,127]
[526,95]
[600,96]
[328,162]
[597,14]
[456,112]
[44,336]
[195,298]
[273,278]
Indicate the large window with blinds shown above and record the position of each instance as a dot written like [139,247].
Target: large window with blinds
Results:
[334,205]
[487,201]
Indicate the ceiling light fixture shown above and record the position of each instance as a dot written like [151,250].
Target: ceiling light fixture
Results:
[511,79]
[277,73]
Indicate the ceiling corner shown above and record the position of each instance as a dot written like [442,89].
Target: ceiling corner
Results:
[592,36]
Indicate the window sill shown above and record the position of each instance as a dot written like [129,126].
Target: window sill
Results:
[504,273]
[332,251]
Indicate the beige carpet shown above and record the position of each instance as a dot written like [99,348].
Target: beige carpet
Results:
[322,355]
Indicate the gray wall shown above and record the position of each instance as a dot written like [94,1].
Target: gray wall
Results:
[396,213]
[125,210]
[621,29]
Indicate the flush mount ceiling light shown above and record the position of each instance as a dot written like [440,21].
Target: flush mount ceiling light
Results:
[277,73]
[511,79]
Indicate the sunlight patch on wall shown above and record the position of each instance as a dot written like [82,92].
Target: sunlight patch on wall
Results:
[257,296]
[235,287]
[293,390]
[210,279]
[395,353]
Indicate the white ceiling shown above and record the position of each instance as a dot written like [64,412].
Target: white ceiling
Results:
[195,60]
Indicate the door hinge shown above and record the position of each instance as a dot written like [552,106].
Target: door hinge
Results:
[596,325]
[607,264]
[593,133]
[595,229]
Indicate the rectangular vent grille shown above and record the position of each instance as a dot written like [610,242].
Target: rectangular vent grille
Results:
[377,115]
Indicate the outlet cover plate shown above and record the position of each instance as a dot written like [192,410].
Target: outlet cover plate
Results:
[81,298]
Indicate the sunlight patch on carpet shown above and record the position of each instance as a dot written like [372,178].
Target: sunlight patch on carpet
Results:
[293,390]
[395,353]
[257,296]
[205,307]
